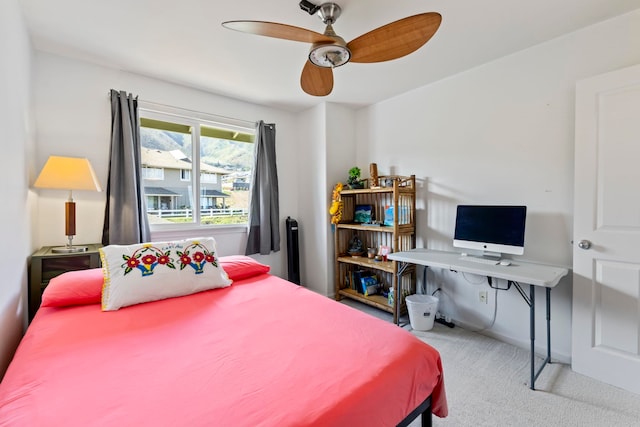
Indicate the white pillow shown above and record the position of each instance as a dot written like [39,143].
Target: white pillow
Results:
[152,271]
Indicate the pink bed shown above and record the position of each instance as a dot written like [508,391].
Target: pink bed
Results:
[261,352]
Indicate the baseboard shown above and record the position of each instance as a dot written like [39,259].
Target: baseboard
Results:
[540,344]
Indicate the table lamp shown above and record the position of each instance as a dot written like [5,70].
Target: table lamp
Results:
[68,173]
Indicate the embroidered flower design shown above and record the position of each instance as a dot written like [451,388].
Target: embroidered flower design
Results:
[145,259]
[196,256]
[132,263]
[149,259]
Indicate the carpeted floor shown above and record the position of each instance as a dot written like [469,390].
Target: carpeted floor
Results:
[487,384]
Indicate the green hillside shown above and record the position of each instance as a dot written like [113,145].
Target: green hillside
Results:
[230,155]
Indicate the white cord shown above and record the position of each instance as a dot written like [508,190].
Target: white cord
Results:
[473,283]
[495,311]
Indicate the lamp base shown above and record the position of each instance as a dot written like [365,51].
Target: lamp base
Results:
[69,249]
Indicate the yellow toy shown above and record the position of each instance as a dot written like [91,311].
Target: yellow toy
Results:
[335,210]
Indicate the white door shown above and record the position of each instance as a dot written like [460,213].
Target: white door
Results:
[606,254]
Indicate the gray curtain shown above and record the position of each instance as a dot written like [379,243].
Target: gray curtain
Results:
[264,214]
[125,216]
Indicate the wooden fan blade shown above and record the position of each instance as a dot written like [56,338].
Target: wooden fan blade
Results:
[316,81]
[396,39]
[279,31]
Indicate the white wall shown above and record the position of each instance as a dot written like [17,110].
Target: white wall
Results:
[311,166]
[73,119]
[502,133]
[16,169]
[327,138]
[341,155]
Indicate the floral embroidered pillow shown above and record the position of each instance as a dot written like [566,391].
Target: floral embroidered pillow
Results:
[153,271]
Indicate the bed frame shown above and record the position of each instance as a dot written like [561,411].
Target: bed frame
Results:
[423,409]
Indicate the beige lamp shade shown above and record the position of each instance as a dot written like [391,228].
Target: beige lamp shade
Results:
[68,173]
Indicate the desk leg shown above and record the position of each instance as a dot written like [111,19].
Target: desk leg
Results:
[532,332]
[548,324]
[402,267]
[532,319]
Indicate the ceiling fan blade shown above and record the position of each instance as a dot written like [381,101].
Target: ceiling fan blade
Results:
[396,39]
[279,31]
[316,81]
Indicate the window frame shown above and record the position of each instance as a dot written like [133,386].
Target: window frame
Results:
[214,176]
[153,178]
[195,120]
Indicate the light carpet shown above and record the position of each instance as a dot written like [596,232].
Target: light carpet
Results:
[487,384]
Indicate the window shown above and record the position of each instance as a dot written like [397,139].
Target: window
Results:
[152,173]
[209,178]
[199,157]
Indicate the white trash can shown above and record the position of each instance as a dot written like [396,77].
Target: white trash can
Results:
[422,311]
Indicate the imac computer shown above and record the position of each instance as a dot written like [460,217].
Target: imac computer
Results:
[493,229]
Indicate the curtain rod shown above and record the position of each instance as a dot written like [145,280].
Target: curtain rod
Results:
[215,116]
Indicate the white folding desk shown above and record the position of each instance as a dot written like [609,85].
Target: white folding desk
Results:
[517,272]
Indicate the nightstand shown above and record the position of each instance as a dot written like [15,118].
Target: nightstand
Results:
[45,265]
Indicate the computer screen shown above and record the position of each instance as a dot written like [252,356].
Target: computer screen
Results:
[491,228]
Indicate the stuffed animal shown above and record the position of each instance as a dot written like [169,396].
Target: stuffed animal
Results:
[335,210]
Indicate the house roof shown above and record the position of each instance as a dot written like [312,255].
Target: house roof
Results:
[213,193]
[159,191]
[155,158]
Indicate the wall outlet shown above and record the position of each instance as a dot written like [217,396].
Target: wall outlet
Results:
[482,297]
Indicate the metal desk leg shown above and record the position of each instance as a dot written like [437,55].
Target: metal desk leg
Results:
[548,294]
[534,374]
[532,332]
[402,267]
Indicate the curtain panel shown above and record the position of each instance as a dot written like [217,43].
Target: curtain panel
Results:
[125,218]
[264,213]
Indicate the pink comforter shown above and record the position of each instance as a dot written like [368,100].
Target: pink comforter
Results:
[262,352]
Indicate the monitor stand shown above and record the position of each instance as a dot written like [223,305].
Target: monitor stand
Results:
[492,255]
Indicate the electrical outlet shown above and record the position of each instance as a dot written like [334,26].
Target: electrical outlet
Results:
[482,297]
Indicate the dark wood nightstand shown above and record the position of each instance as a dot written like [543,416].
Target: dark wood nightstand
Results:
[45,265]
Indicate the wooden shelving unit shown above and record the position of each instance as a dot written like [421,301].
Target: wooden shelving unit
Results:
[399,235]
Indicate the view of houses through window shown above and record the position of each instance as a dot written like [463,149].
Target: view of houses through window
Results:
[194,171]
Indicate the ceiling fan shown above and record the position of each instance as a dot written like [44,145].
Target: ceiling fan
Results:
[329,50]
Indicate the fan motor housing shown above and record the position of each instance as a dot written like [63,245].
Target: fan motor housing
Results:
[329,12]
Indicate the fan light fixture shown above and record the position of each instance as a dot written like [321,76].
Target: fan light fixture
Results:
[329,55]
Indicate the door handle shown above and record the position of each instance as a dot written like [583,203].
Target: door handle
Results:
[584,244]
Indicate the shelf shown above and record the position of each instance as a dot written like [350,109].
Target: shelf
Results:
[356,226]
[399,236]
[376,300]
[367,191]
[363,261]
[402,228]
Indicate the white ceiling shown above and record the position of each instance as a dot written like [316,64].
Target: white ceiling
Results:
[183,41]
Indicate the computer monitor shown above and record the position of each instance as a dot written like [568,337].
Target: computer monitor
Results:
[492,229]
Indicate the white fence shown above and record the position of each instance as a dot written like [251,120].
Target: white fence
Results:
[188,213]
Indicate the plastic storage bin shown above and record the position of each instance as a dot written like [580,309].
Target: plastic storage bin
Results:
[422,311]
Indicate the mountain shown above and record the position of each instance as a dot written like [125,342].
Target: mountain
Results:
[230,155]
